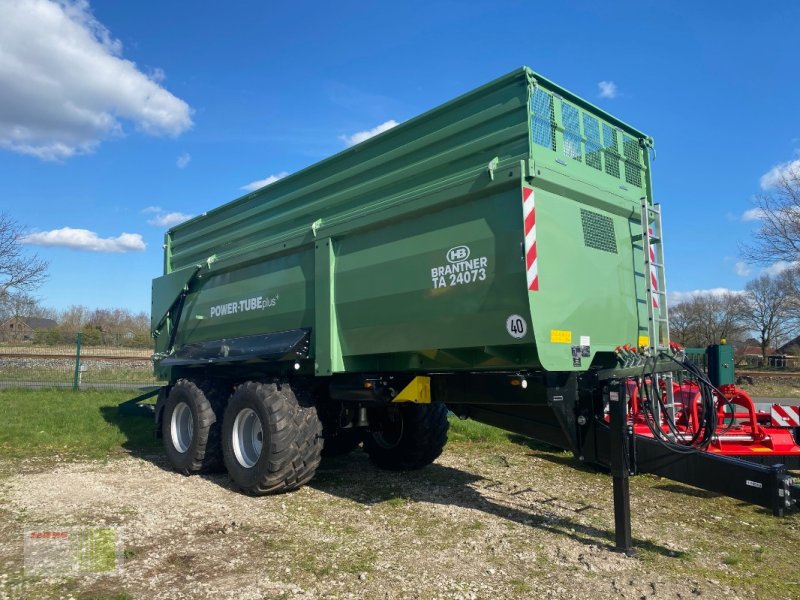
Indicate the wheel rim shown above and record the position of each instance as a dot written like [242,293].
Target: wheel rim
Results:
[391,434]
[182,427]
[248,437]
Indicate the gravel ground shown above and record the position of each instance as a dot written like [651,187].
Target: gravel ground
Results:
[483,522]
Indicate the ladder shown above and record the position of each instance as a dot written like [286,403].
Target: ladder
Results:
[656,297]
[656,283]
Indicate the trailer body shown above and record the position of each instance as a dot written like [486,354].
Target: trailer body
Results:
[407,252]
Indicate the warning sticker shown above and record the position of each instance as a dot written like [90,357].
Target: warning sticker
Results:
[586,346]
[559,336]
[576,356]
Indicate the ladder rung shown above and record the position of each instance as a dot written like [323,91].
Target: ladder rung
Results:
[657,265]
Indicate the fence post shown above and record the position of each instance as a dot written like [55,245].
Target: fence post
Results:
[77,378]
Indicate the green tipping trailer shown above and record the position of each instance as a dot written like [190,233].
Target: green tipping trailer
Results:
[487,256]
[406,253]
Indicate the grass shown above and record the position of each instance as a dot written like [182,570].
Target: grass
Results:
[773,388]
[478,433]
[85,424]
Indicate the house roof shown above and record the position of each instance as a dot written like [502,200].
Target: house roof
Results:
[756,351]
[34,322]
[795,342]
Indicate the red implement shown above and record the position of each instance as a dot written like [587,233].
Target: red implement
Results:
[742,431]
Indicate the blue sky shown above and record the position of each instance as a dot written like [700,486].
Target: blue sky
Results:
[122,117]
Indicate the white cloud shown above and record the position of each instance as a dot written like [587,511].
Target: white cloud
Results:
[83,239]
[163,218]
[169,219]
[64,86]
[607,89]
[183,160]
[742,269]
[254,185]
[777,268]
[753,214]
[676,297]
[360,136]
[158,75]
[778,173]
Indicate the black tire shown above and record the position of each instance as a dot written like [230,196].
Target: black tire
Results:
[290,438]
[411,436]
[343,442]
[194,450]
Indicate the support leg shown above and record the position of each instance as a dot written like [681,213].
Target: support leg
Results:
[622,516]
[620,469]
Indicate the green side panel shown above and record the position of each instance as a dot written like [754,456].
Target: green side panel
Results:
[587,296]
[166,290]
[275,294]
[435,285]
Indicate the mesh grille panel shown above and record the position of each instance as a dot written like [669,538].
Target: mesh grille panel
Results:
[575,131]
[611,152]
[544,119]
[572,131]
[598,231]
[633,172]
[591,129]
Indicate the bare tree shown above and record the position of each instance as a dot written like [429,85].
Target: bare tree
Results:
[778,237]
[706,319]
[23,305]
[73,318]
[791,279]
[765,310]
[682,324]
[20,274]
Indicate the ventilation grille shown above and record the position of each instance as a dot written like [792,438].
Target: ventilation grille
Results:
[598,231]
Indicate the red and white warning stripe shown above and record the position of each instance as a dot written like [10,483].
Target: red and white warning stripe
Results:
[785,416]
[531,260]
[653,274]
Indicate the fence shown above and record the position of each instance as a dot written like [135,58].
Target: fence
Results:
[773,362]
[75,365]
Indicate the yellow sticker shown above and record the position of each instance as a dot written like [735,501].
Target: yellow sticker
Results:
[644,340]
[760,449]
[558,336]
